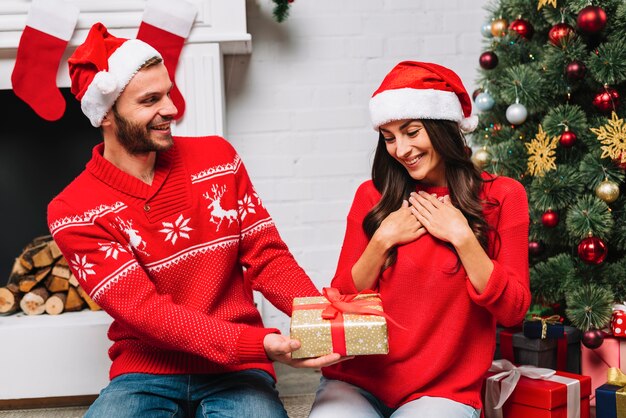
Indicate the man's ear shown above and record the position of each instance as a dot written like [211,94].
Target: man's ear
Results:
[107,119]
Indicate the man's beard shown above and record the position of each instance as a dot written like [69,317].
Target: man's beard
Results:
[135,138]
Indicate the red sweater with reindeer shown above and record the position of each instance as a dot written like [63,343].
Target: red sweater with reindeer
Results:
[174,263]
[449,339]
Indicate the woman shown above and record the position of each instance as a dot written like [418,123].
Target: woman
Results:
[445,245]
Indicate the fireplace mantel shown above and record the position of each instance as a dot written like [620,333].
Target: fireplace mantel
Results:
[220,28]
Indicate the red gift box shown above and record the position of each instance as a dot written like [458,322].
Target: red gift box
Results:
[542,397]
[618,321]
[596,362]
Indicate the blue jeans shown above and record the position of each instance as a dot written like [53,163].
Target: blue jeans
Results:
[249,393]
[335,398]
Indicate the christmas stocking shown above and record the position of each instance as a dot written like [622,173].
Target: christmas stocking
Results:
[49,27]
[165,26]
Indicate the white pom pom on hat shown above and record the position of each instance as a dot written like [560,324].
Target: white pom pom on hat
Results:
[101,68]
[422,90]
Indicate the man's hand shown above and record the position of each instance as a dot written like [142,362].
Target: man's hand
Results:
[279,348]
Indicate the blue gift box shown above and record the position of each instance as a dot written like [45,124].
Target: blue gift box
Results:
[532,329]
[607,402]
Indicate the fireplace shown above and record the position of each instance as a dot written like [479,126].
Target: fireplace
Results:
[38,158]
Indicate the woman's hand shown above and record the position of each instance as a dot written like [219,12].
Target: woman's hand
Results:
[440,218]
[400,227]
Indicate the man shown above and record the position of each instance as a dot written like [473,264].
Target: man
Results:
[170,238]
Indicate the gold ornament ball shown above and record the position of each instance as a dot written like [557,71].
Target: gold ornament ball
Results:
[499,27]
[608,191]
[481,158]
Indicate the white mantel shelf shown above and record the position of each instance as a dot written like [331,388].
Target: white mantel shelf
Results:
[220,28]
[47,356]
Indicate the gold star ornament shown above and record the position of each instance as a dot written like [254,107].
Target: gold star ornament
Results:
[545,3]
[613,138]
[541,153]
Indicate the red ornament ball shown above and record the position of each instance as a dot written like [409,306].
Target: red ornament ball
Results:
[591,19]
[568,139]
[607,100]
[550,218]
[592,250]
[523,28]
[593,338]
[535,248]
[560,34]
[488,60]
[575,71]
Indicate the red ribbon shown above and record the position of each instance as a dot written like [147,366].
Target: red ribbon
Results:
[338,305]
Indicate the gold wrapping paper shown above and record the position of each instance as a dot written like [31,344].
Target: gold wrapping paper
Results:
[365,334]
[616,377]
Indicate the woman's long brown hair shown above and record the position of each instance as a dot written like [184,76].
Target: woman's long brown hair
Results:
[464,182]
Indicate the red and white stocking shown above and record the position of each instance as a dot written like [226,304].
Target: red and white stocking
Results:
[165,26]
[49,27]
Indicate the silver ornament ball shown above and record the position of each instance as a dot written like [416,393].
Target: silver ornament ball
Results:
[484,102]
[516,114]
[485,30]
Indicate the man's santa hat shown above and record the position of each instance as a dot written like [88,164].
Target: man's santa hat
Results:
[101,68]
[421,90]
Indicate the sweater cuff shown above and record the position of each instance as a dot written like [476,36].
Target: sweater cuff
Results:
[494,289]
[250,344]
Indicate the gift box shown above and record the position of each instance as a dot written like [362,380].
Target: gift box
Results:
[559,354]
[346,324]
[539,393]
[544,327]
[608,399]
[618,321]
[611,397]
[596,362]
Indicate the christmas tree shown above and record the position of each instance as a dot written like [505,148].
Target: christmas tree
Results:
[552,83]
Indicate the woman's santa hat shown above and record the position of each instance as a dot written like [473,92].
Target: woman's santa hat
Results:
[421,90]
[101,68]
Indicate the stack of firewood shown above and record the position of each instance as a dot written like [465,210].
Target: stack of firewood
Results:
[41,282]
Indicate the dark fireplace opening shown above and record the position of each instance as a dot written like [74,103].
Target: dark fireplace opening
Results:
[37,160]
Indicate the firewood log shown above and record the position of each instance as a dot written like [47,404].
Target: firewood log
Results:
[92,305]
[9,298]
[34,302]
[54,249]
[18,269]
[26,258]
[43,257]
[42,274]
[73,302]
[26,283]
[57,284]
[73,280]
[61,271]
[43,239]
[56,303]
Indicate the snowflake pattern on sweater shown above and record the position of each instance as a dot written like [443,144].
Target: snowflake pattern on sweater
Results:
[175,262]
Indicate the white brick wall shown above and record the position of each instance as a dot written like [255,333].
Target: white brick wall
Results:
[297,106]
